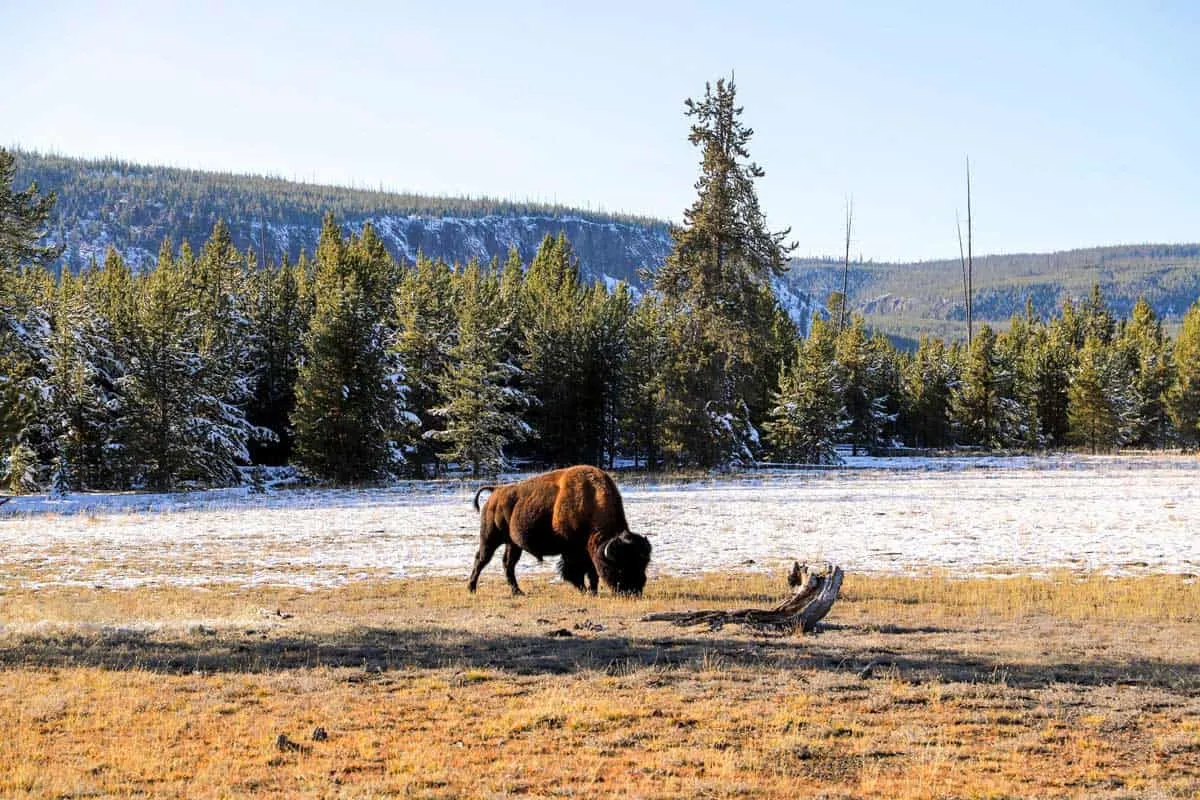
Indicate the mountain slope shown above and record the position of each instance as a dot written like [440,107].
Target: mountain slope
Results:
[134,208]
[927,297]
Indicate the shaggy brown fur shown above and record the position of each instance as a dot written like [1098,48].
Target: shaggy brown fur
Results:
[575,513]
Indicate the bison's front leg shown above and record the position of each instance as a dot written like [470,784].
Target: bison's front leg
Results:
[593,579]
[512,554]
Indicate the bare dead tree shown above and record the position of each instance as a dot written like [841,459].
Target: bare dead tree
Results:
[970,262]
[967,261]
[846,266]
[962,258]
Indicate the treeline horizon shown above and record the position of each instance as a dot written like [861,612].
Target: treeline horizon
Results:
[355,368]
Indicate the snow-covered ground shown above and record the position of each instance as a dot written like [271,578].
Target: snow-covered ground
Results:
[960,516]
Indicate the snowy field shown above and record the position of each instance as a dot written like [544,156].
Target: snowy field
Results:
[968,516]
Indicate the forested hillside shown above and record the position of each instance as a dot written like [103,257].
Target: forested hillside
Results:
[133,208]
[927,296]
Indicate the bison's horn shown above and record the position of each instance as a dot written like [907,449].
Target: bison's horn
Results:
[608,556]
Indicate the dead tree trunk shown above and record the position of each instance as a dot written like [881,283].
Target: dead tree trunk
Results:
[813,594]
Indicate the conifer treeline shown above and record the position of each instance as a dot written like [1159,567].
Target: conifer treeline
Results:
[357,368]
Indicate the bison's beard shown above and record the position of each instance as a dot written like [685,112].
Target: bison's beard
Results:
[626,579]
[573,570]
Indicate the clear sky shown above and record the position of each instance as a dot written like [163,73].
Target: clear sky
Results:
[1081,120]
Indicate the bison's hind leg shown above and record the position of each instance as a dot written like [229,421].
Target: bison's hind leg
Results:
[512,554]
[482,556]
[490,539]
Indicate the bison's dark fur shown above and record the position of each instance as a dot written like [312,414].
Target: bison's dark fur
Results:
[575,513]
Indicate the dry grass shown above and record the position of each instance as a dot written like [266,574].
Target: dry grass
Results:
[917,687]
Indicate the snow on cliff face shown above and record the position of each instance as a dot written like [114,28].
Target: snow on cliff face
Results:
[604,247]
[608,250]
[800,307]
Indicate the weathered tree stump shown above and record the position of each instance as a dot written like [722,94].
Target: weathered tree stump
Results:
[813,594]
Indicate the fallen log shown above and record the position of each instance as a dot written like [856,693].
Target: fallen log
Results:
[813,594]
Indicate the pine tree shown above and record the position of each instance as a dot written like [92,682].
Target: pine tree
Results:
[482,412]
[555,353]
[716,287]
[1021,424]
[1098,320]
[606,328]
[805,417]
[23,217]
[113,298]
[724,249]
[926,380]
[349,417]
[1146,354]
[1053,361]
[26,445]
[982,406]
[279,316]
[218,425]
[77,402]
[1093,411]
[425,302]
[161,384]
[869,385]
[643,408]
[1184,397]
[25,441]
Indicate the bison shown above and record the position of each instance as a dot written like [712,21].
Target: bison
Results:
[575,513]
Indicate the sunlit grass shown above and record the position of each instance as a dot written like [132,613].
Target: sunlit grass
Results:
[919,687]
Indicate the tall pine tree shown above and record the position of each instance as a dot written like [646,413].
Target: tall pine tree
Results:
[714,283]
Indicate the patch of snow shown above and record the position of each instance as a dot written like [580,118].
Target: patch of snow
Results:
[962,516]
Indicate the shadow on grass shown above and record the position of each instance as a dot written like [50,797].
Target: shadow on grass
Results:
[380,649]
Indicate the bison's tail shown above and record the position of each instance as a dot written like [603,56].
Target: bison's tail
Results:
[482,489]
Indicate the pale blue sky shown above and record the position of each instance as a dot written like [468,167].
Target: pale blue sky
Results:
[1081,120]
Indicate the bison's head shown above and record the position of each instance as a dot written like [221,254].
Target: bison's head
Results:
[623,561]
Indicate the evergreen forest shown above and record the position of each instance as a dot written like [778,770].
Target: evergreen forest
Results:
[355,366]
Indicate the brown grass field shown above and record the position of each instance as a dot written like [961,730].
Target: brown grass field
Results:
[914,687]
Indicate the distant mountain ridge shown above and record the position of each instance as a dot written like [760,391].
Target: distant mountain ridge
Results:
[927,296]
[131,207]
[105,202]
